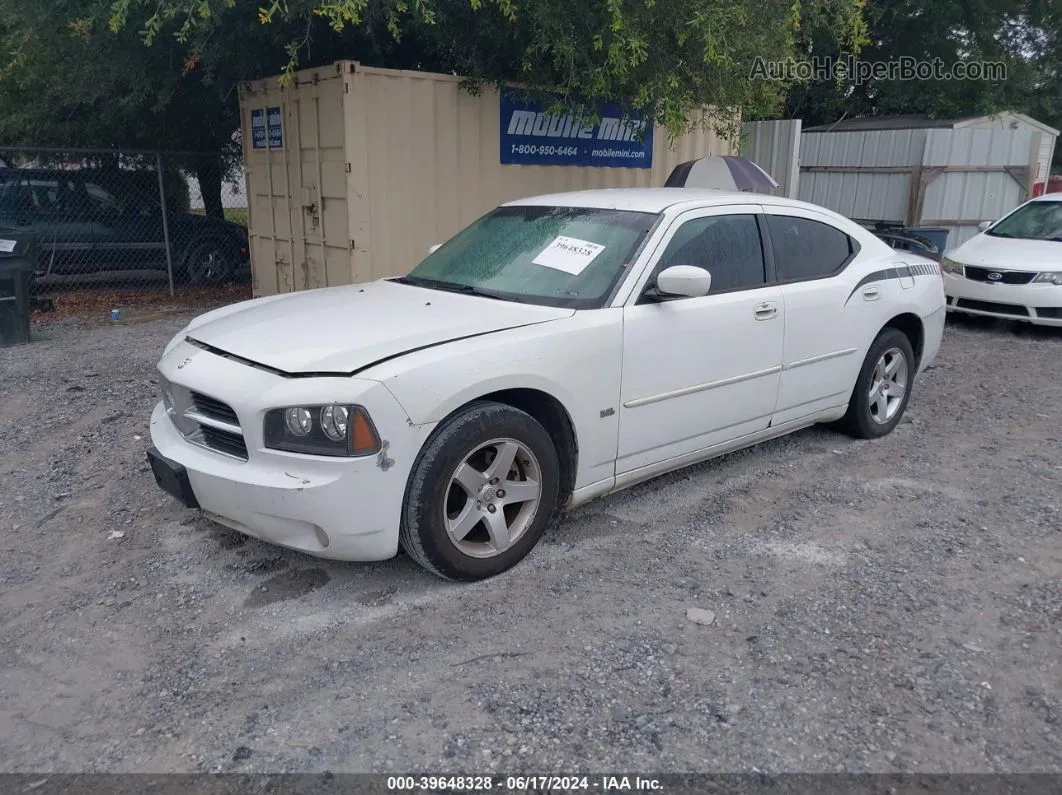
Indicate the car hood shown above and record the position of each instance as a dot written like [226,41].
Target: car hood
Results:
[346,329]
[1009,253]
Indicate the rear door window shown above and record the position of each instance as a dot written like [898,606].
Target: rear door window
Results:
[805,249]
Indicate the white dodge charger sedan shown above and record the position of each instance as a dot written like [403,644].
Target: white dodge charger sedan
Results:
[558,349]
[1013,269]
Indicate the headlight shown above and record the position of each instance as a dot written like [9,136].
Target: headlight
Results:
[334,421]
[331,430]
[950,266]
[298,421]
[1049,278]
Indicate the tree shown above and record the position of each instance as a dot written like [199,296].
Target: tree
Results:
[1025,36]
[163,74]
[665,58]
[68,80]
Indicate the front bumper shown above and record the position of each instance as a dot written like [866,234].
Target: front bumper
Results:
[335,508]
[1040,304]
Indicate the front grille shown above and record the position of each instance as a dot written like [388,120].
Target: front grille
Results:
[992,306]
[204,421]
[1053,312]
[224,442]
[1008,277]
[214,408]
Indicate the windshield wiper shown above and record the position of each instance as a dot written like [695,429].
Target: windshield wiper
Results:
[452,287]
[416,281]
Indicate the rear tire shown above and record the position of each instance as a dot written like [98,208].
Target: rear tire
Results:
[481,494]
[883,387]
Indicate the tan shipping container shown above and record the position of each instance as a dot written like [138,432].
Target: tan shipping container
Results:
[365,169]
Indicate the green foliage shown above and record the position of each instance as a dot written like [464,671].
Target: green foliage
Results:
[162,74]
[70,79]
[668,58]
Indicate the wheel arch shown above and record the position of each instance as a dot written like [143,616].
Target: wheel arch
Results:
[549,411]
[911,326]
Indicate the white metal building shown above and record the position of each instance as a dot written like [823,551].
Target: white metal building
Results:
[951,173]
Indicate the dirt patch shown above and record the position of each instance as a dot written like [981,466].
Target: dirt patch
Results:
[134,305]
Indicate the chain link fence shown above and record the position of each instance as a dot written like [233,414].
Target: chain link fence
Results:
[139,228]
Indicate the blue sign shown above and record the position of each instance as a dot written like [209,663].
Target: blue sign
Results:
[275,119]
[258,129]
[531,137]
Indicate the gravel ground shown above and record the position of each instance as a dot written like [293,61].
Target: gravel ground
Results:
[879,607]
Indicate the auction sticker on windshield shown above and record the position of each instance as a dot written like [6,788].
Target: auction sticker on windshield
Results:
[568,254]
[7,246]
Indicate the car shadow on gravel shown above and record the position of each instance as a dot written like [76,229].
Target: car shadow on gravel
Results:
[992,325]
[293,574]
[272,574]
[695,486]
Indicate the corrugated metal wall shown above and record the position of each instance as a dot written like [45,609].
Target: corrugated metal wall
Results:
[827,177]
[974,147]
[875,148]
[378,165]
[960,200]
[861,196]
[923,177]
[775,146]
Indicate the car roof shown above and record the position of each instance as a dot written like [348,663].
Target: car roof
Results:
[658,200]
[1049,197]
[9,172]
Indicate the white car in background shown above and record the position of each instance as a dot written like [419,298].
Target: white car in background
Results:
[1013,268]
[557,350]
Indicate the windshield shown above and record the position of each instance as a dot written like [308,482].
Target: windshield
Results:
[1036,221]
[555,256]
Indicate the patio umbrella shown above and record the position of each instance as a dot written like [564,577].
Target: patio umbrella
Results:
[722,172]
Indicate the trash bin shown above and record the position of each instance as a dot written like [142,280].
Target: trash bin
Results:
[18,262]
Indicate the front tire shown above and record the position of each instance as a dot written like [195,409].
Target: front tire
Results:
[482,492]
[883,387]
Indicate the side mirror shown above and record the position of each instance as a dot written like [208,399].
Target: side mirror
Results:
[435,248]
[682,281]
[983,226]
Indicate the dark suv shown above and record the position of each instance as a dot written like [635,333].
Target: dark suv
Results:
[93,221]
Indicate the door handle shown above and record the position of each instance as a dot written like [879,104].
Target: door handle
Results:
[871,294]
[766,311]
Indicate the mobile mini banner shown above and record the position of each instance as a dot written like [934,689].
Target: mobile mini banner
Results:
[532,137]
[275,121]
[258,128]
[267,128]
